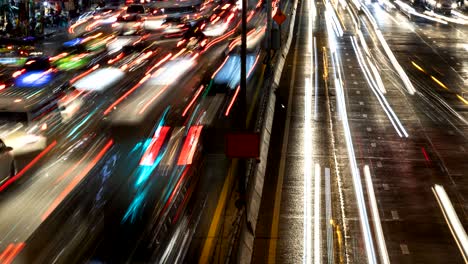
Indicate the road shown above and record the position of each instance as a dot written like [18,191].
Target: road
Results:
[317,204]
[370,133]
[128,172]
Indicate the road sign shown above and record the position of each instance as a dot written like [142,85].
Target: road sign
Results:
[279,17]
[243,145]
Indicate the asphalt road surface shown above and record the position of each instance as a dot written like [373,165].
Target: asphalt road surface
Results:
[410,140]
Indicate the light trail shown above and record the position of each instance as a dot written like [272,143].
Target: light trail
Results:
[384,258]
[363,217]
[317,229]
[451,217]
[307,187]
[84,74]
[441,84]
[417,66]
[118,101]
[228,110]
[378,93]
[193,100]
[409,86]
[75,181]
[28,166]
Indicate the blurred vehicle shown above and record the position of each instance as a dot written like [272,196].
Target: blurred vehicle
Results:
[14,53]
[86,88]
[174,27]
[79,53]
[25,115]
[7,163]
[175,9]
[36,72]
[129,24]
[136,9]
[194,38]
[440,6]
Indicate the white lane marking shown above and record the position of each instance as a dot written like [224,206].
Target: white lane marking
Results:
[373,145]
[329,217]
[368,240]
[317,235]
[361,103]
[369,129]
[358,92]
[364,115]
[315,77]
[404,249]
[379,164]
[395,215]
[307,254]
[451,217]
[376,217]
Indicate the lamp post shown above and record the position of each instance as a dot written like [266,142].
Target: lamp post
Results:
[243,94]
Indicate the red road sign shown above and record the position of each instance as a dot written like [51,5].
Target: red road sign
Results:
[279,17]
[243,145]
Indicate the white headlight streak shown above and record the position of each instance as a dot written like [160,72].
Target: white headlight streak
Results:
[452,219]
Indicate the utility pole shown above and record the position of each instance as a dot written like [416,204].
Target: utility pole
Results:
[243,93]
[268,31]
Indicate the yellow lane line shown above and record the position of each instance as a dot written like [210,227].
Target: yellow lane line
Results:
[207,250]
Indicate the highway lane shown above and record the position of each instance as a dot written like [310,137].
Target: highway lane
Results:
[432,154]
[51,177]
[60,220]
[403,168]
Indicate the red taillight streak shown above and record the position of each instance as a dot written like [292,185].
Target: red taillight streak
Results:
[182,177]
[144,57]
[152,151]
[225,6]
[118,57]
[153,99]
[84,73]
[18,73]
[118,101]
[7,257]
[6,252]
[88,28]
[231,16]
[184,201]
[228,110]
[250,16]
[77,180]
[253,66]
[27,167]
[220,67]
[180,42]
[225,36]
[193,100]
[71,30]
[216,20]
[178,54]
[190,145]
[194,57]
[69,98]
[71,169]
[425,154]
[61,55]
[159,63]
